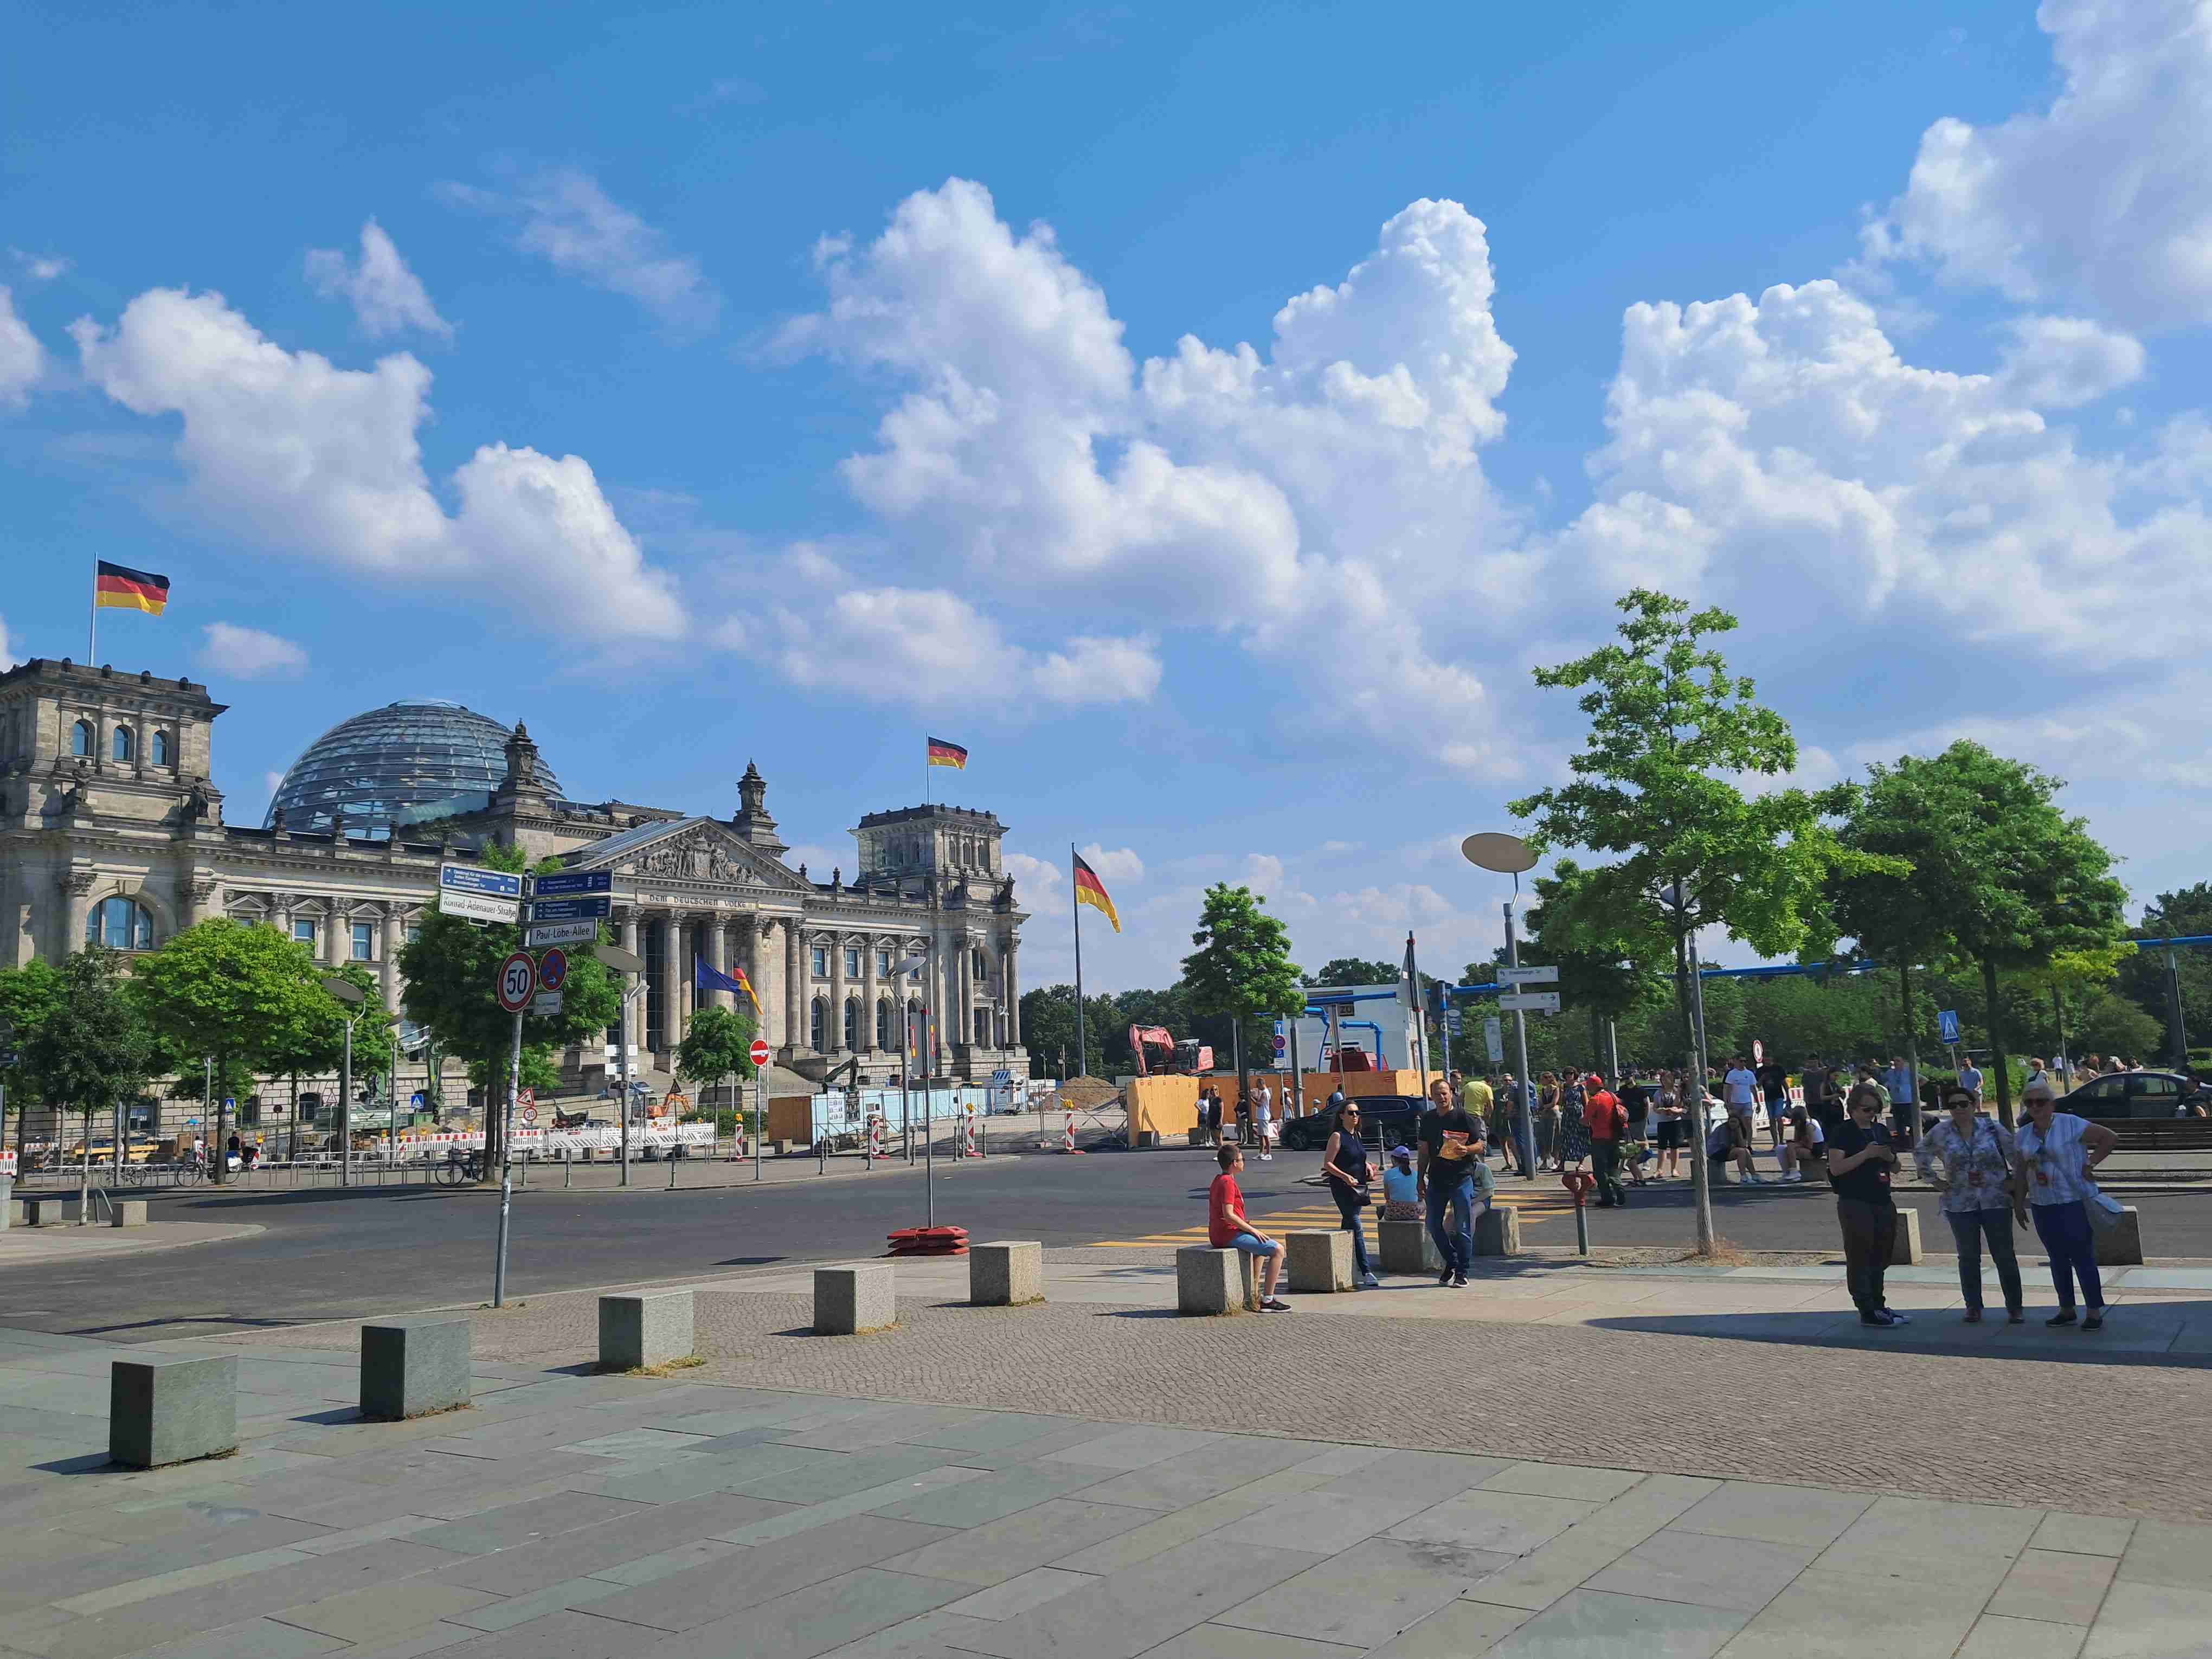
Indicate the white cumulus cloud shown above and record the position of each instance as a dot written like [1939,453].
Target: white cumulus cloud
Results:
[40,267]
[247,654]
[1331,482]
[2103,196]
[321,462]
[569,220]
[2058,362]
[1115,862]
[22,359]
[1782,455]
[386,296]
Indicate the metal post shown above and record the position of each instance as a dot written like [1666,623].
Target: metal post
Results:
[345,1112]
[760,1120]
[622,1051]
[2180,1021]
[1701,1180]
[392,1114]
[1075,913]
[507,1138]
[1524,1121]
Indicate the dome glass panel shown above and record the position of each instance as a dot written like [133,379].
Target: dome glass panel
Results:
[387,764]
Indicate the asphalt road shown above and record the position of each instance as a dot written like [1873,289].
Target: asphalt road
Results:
[330,1254]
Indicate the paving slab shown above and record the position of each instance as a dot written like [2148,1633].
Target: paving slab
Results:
[2055,1588]
[1587,1623]
[1743,1574]
[813,1620]
[1367,1593]
[2150,1621]
[1511,1524]
[996,1551]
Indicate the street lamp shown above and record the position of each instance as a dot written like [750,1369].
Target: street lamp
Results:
[629,962]
[1511,856]
[351,997]
[1690,990]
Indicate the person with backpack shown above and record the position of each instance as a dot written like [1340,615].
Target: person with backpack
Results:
[1605,1121]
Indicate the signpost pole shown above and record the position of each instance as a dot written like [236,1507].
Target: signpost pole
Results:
[392,1117]
[1524,1122]
[506,1139]
[345,1111]
[622,1106]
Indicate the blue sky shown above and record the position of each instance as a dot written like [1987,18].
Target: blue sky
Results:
[713,383]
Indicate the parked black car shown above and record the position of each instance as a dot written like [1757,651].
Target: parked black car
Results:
[1385,1121]
[2136,1095]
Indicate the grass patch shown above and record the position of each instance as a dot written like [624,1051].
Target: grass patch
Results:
[689,1363]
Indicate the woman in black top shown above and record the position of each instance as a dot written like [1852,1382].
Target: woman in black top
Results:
[1345,1164]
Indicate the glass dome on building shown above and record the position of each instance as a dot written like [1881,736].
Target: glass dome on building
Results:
[389,765]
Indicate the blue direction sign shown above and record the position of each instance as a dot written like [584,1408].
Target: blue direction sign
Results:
[570,910]
[495,884]
[579,881]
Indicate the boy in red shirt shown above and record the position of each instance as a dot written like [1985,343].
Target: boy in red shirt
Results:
[1228,1228]
[1607,1120]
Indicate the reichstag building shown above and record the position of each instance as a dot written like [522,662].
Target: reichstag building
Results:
[111,830]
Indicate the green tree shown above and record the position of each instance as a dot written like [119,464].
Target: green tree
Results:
[2011,881]
[717,1045]
[2149,982]
[452,968]
[1657,787]
[1611,962]
[1353,970]
[228,990]
[1048,1030]
[1242,968]
[28,997]
[91,1050]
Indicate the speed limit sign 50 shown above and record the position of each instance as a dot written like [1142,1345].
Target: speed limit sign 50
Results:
[518,979]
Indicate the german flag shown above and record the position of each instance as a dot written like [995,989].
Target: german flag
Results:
[119,587]
[1090,891]
[745,984]
[942,753]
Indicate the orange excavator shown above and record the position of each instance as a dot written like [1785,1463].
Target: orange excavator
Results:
[1158,1053]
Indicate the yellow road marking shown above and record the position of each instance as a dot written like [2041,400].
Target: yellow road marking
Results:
[1534,1209]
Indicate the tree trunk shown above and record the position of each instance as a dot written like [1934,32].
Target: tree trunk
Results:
[1998,1062]
[213,1107]
[1693,1096]
[293,1154]
[1910,1116]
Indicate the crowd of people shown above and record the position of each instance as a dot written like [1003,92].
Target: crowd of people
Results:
[1991,1179]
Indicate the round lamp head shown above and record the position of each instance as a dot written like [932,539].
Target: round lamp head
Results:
[1507,854]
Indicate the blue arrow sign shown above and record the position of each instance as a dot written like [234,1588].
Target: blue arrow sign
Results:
[581,881]
[496,883]
[570,910]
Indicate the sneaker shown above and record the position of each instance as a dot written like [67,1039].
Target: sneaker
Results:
[1275,1304]
[1266,1157]
[1879,1317]
[1368,1282]
[2015,1316]
[2095,1321]
[1792,1178]
[1896,1318]
[2063,1316]
[1458,1281]
[1444,1278]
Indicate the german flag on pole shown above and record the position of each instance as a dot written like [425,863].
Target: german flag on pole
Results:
[119,587]
[942,753]
[1090,891]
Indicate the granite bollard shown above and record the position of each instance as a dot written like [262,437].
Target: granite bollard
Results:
[2120,1245]
[639,1332]
[863,1297]
[1008,1274]
[1497,1231]
[1407,1248]
[169,1410]
[127,1212]
[1319,1261]
[1905,1242]
[413,1366]
[1211,1281]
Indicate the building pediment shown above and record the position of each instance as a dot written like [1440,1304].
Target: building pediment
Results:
[702,850]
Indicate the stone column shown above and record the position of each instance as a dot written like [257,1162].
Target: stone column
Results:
[141,762]
[794,985]
[717,958]
[669,972]
[280,913]
[837,1032]
[334,924]
[868,993]
[967,989]
[687,941]
[1013,994]
[752,950]
[394,937]
[77,886]
[206,895]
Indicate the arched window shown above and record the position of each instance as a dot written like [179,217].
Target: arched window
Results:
[81,739]
[122,743]
[884,1037]
[164,753]
[851,1022]
[120,924]
[818,1026]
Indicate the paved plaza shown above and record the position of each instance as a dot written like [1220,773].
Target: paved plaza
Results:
[1521,1468]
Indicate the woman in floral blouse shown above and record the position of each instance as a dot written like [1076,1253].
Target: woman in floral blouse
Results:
[1979,1158]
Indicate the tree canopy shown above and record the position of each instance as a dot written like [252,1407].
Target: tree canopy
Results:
[90,1049]
[1355,970]
[716,1044]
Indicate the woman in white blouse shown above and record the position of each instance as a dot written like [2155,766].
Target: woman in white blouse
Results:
[2057,1151]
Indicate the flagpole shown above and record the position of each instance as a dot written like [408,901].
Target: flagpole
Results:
[92,625]
[1075,913]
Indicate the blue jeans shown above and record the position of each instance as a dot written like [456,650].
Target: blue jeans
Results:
[1252,1244]
[2071,1243]
[1455,1244]
[1969,1228]
[1354,1208]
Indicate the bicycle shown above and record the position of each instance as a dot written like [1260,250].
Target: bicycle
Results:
[464,1171]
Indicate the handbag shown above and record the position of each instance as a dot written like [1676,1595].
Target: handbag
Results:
[2103,1210]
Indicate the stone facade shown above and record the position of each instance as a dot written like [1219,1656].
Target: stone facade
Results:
[109,827]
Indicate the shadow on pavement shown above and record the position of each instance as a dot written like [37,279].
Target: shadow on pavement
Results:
[2176,1334]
